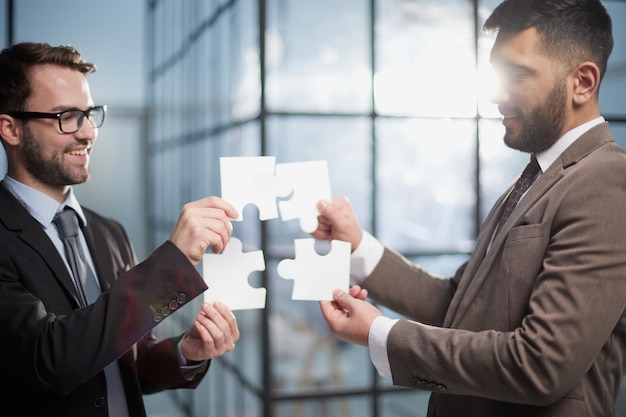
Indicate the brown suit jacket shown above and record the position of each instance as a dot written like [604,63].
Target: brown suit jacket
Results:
[53,352]
[535,325]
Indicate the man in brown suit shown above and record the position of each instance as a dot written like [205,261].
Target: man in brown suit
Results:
[533,324]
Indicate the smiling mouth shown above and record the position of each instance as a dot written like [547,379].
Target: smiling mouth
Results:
[510,120]
[508,115]
[80,152]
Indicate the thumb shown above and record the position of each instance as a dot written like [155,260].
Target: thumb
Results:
[323,206]
[343,300]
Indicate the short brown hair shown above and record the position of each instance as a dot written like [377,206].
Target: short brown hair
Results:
[18,60]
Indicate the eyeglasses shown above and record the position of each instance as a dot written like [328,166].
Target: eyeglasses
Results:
[70,121]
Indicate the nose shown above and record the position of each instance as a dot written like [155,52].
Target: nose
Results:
[499,97]
[499,93]
[87,131]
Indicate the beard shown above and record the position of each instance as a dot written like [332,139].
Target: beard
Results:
[47,166]
[543,127]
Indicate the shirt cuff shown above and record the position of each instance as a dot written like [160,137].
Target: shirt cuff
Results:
[189,371]
[365,258]
[377,340]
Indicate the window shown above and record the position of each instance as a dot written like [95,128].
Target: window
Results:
[392,94]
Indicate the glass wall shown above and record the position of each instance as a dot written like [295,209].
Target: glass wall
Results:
[392,94]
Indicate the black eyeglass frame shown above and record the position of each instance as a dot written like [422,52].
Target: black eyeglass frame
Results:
[28,115]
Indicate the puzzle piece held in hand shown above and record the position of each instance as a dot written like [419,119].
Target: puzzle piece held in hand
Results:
[227,275]
[251,180]
[317,276]
[310,184]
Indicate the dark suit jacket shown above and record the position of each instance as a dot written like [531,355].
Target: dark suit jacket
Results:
[534,326]
[52,352]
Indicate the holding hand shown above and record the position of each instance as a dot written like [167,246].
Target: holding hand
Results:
[213,334]
[349,316]
[338,221]
[357,292]
[203,223]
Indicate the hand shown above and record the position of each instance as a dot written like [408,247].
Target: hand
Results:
[349,318]
[338,221]
[358,292]
[213,334]
[203,223]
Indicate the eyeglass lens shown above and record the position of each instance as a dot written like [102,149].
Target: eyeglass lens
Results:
[71,121]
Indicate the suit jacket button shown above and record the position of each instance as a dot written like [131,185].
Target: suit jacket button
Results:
[442,387]
[99,402]
[157,317]
[182,297]
[173,305]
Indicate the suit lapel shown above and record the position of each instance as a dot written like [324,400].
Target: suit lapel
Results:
[484,256]
[110,250]
[16,218]
[476,260]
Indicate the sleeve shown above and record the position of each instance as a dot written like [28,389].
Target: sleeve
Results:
[365,258]
[44,325]
[548,313]
[377,341]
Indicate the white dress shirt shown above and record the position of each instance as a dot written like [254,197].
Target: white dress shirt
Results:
[369,252]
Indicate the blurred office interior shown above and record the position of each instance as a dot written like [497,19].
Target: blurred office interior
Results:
[393,94]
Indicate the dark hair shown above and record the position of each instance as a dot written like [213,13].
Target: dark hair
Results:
[17,61]
[573,31]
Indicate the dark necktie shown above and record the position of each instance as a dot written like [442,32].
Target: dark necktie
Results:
[67,223]
[521,186]
[88,291]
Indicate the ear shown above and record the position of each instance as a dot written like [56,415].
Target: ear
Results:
[10,129]
[586,79]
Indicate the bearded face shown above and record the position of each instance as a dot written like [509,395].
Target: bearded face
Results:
[46,163]
[542,126]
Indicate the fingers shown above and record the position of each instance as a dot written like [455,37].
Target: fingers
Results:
[229,318]
[327,210]
[338,221]
[215,333]
[349,318]
[215,215]
[328,308]
[203,223]
[220,326]
[343,300]
[358,292]
[324,226]
[217,203]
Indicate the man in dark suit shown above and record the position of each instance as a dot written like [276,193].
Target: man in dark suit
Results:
[534,323]
[60,355]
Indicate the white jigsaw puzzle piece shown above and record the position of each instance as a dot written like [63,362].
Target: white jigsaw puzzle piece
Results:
[317,276]
[227,275]
[310,184]
[251,180]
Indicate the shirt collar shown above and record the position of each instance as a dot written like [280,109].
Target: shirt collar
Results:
[41,206]
[547,157]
